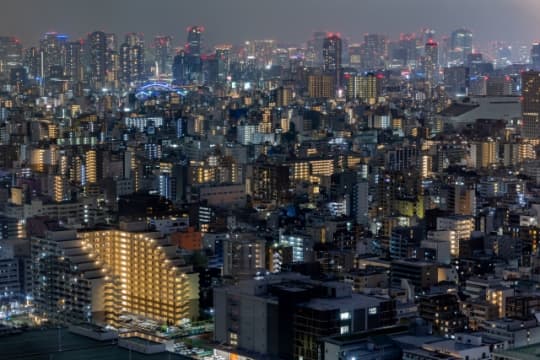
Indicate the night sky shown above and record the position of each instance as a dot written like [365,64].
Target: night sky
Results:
[234,21]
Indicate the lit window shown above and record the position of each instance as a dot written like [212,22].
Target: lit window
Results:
[345,316]
[372,311]
[344,330]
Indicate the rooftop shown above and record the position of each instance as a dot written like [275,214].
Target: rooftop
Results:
[531,352]
[346,303]
[43,345]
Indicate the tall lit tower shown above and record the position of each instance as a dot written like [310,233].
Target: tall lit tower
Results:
[194,40]
[535,56]
[131,59]
[431,61]
[530,105]
[74,68]
[91,166]
[179,68]
[375,51]
[97,42]
[53,48]
[332,56]
[223,57]
[193,50]
[163,53]
[461,44]
[10,53]
[316,48]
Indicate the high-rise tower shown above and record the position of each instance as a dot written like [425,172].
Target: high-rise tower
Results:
[530,105]
[163,53]
[193,50]
[53,50]
[431,61]
[74,68]
[535,56]
[97,45]
[194,40]
[461,45]
[332,56]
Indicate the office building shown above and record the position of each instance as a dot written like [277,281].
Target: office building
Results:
[332,52]
[194,50]
[363,87]
[97,43]
[375,52]
[286,315]
[11,54]
[456,81]
[163,54]
[321,86]
[52,55]
[461,45]
[419,274]
[535,57]
[244,255]
[530,104]
[443,312]
[132,66]
[74,64]
[431,65]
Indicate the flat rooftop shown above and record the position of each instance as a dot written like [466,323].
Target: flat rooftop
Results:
[43,345]
[356,301]
[526,353]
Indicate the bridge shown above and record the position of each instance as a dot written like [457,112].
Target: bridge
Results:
[152,88]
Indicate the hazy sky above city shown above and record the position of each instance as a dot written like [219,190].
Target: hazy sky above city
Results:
[234,21]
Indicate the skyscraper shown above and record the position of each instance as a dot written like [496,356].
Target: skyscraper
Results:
[10,53]
[74,68]
[193,50]
[113,67]
[223,57]
[456,80]
[406,51]
[530,105]
[194,40]
[32,61]
[315,47]
[332,56]
[535,56]
[53,48]
[375,51]
[163,53]
[131,62]
[97,43]
[179,68]
[461,44]
[431,67]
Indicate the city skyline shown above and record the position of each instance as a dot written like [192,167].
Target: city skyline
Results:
[248,180]
[240,20]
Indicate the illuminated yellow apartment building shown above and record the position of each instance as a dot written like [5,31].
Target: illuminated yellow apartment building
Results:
[303,169]
[324,167]
[91,166]
[365,88]
[321,86]
[59,188]
[141,275]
